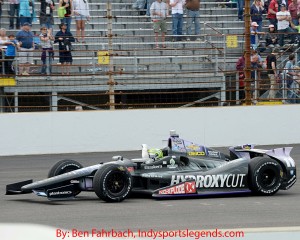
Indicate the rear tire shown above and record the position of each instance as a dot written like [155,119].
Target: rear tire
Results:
[112,183]
[265,176]
[65,166]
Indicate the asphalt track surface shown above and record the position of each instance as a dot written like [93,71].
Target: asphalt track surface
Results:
[87,211]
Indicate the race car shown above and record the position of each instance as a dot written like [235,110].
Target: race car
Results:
[181,169]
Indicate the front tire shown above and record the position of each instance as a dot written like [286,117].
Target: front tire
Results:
[265,176]
[112,183]
[65,166]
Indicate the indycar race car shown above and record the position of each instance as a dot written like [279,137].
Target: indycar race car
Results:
[181,169]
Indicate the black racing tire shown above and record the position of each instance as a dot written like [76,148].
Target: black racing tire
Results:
[112,183]
[65,166]
[265,176]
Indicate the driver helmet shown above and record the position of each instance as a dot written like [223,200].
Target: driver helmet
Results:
[155,153]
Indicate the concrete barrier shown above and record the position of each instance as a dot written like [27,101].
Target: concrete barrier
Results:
[97,131]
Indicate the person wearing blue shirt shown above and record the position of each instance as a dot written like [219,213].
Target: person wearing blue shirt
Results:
[26,12]
[10,54]
[25,38]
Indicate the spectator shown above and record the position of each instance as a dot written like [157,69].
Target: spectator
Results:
[256,67]
[25,39]
[293,8]
[14,7]
[256,12]
[272,38]
[290,73]
[3,46]
[241,5]
[149,3]
[272,72]
[177,18]
[46,38]
[1,2]
[193,15]
[139,5]
[64,39]
[82,14]
[12,45]
[67,19]
[240,67]
[254,37]
[284,17]
[159,13]
[27,11]
[46,14]
[272,10]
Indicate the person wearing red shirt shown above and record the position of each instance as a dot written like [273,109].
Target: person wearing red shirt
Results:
[273,9]
[293,8]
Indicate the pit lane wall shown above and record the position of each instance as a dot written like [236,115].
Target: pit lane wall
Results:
[97,131]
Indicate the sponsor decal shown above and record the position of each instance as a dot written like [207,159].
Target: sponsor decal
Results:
[177,141]
[60,193]
[151,175]
[153,167]
[211,181]
[172,162]
[196,153]
[184,188]
[179,189]
[193,147]
[213,153]
[190,187]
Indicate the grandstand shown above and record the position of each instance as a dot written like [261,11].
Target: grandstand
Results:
[118,66]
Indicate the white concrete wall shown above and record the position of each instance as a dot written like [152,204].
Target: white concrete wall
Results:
[95,131]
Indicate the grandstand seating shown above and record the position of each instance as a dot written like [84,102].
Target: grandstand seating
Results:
[136,64]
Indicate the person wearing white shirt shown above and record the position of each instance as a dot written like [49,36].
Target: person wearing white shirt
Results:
[283,25]
[81,11]
[177,18]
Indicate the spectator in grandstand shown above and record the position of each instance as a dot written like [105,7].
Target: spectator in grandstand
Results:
[25,39]
[256,66]
[47,39]
[149,3]
[14,7]
[3,46]
[272,72]
[67,6]
[64,39]
[240,67]
[241,5]
[12,45]
[256,12]
[272,10]
[1,2]
[254,37]
[159,13]
[27,11]
[177,18]
[293,9]
[193,15]
[46,14]
[272,38]
[284,17]
[139,5]
[81,11]
[289,74]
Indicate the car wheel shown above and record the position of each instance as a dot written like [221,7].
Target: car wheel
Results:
[265,176]
[65,166]
[112,183]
